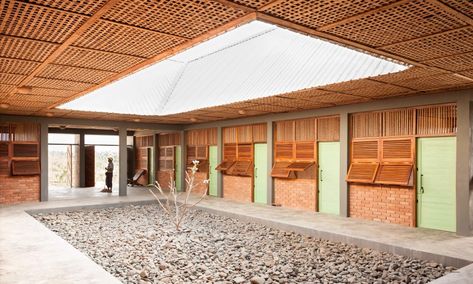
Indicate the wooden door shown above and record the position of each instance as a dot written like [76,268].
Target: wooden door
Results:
[329,177]
[212,170]
[261,173]
[436,167]
[89,166]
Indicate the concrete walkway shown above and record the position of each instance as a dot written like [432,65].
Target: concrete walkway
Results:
[30,253]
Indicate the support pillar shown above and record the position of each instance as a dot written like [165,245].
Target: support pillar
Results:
[183,161]
[82,159]
[122,157]
[343,164]
[219,160]
[44,162]
[463,175]
[269,143]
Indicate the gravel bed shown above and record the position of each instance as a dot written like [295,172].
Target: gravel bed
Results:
[137,244]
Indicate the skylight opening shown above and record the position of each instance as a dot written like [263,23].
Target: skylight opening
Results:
[251,61]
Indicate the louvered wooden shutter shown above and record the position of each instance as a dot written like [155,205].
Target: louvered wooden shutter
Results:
[280,170]
[241,168]
[362,172]
[305,150]
[397,149]
[299,166]
[21,167]
[4,167]
[365,150]
[3,150]
[245,152]
[397,174]
[229,152]
[283,150]
[225,165]
[25,150]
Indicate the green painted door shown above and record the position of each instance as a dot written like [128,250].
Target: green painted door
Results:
[329,177]
[436,163]
[177,167]
[261,173]
[212,171]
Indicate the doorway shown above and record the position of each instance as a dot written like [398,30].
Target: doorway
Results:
[436,183]
[260,173]
[329,177]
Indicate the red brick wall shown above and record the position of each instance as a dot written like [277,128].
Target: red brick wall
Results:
[163,177]
[295,193]
[237,188]
[389,204]
[16,189]
[199,185]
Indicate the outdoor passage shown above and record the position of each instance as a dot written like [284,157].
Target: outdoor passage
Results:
[236,141]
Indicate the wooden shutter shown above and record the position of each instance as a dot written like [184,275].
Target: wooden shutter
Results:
[3,150]
[362,172]
[280,170]
[20,168]
[166,158]
[305,150]
[225,165]
[245,152]
[25,150]
[241,168]
[299,166]
[191,153]
[201,153]
[283,150]
[397,174]
[365,150]
[397,149]
[230,152]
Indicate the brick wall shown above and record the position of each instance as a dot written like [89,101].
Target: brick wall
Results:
[163,177]
[199,186]
[389,204]
[16,189]
[237,188]
[295,193]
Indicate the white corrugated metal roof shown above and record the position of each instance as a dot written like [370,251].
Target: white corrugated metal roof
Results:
[253,61]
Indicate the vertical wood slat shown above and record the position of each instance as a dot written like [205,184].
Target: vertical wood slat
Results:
[260,133]
[328,129]
[436,120]
[304,129]
[285,131]
[398,122]
[201,137]
[365,125]
[169,139]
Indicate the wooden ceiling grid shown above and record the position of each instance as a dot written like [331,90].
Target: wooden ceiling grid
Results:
[64,49]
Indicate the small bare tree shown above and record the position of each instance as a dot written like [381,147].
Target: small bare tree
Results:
[176,204]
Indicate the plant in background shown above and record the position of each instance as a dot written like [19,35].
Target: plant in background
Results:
[176,204]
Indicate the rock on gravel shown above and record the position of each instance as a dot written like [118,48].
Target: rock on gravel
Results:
[138,244]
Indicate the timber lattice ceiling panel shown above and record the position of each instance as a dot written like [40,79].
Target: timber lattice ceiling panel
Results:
[42,45]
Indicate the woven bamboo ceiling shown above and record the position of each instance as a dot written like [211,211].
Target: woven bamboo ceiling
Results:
[52,51]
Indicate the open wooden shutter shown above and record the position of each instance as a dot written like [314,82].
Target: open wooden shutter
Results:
[241,168]
[22,167]
[299,166]
[397,174]
[362,172]
[225,165]
[280,170]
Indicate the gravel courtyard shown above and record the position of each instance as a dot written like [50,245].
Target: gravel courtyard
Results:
[137,244]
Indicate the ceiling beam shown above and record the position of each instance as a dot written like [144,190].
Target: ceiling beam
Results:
[206,36]
[234,5]
[82,29]
[364,14]
[333,38]
[270,5]
[452,11]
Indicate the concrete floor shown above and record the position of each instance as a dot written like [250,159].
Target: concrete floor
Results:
[58,193]
[30,253]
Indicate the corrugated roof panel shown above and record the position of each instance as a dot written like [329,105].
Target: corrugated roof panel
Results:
[253,61]
[143,92]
